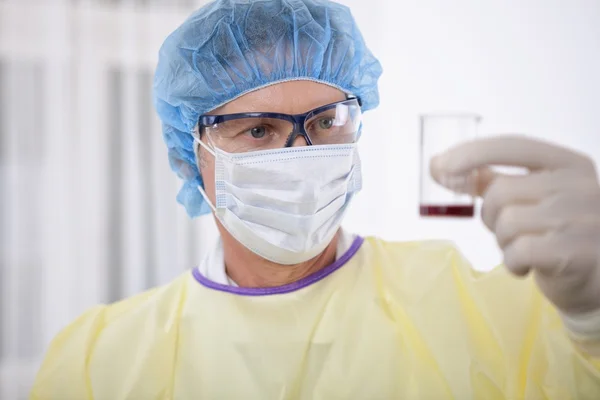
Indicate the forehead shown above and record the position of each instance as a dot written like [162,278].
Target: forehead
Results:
[293,97]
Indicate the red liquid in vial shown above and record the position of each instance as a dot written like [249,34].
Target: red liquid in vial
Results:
[448,210]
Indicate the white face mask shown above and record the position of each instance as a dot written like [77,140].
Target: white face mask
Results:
[285,205]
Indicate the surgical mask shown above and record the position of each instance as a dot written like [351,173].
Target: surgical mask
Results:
[287,204]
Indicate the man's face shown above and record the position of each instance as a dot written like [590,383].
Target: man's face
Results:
[294,97]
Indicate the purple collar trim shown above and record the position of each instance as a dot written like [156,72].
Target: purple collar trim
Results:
[290,287]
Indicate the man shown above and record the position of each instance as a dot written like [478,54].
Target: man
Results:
[261,105]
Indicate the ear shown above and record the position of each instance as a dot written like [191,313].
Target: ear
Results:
[200,157]
[199,152]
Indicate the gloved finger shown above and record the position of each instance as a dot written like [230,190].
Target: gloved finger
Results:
[522,254]
[505,190]
[484,177]
[474,183]
[550,254]
[507,150]
[517,220]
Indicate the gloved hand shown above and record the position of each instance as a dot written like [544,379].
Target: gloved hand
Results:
[546,221]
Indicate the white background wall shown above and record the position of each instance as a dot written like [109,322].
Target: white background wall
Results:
[525,66]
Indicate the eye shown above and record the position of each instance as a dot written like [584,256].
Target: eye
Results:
[258,132]
[326,123]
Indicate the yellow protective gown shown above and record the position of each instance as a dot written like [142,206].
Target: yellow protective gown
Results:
[387,321]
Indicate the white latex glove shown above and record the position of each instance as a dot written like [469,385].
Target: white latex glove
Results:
[547,221]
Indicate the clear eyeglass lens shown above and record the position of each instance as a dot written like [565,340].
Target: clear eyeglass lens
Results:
[337,125]
[250,134]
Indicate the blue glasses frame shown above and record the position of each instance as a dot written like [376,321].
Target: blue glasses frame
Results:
[297,120]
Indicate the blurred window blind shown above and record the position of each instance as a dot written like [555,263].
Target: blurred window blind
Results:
[87,198]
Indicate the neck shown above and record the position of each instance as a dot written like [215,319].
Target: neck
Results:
[247,269]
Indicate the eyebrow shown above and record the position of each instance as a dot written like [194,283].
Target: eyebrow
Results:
[275,108]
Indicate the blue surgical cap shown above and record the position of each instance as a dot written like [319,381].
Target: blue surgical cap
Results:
[231,47]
